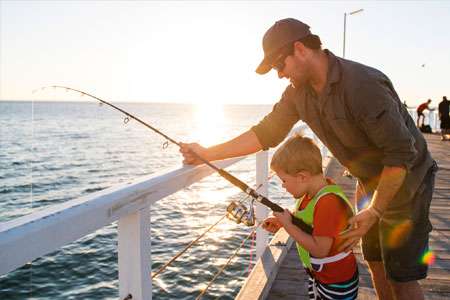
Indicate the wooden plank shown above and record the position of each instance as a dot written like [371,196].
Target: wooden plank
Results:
[289,287]
[293,274]
[429,285]
[366,293]
[261,278]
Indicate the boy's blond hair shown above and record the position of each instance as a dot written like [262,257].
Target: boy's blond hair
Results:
[297,154]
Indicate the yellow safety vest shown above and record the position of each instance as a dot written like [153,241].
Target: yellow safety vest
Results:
[307,215]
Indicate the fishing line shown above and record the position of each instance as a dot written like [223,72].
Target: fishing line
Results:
[203,291]
[162,268]
[31,185]
[226,175]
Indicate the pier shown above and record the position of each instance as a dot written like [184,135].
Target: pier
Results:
[279,274]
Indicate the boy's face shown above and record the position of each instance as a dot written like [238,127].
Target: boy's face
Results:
[293,184]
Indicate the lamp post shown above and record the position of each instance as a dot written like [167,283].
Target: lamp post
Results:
[345,25]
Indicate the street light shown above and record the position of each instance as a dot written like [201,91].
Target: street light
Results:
[345,25]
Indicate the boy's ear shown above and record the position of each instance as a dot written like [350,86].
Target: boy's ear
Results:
[303,175]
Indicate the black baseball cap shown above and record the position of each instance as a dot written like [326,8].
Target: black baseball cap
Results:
[281,33]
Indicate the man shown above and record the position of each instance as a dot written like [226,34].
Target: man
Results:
[357,114]
[445,118]
[420,110]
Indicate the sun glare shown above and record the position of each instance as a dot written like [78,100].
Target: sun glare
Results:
[428,258]
[209,123]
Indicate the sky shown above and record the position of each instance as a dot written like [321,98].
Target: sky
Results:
[207,51]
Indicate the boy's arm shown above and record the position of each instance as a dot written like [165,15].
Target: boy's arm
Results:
[317,246]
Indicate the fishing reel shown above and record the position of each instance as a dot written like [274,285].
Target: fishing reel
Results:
[237,212]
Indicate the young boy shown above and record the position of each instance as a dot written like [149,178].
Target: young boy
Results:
[322,205]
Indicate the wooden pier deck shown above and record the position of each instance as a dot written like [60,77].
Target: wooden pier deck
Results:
[279,275]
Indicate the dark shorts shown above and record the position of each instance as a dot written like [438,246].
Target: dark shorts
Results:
[400,242]
[445,123]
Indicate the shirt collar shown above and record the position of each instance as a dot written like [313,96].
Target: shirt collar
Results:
[334,71]
[333,74]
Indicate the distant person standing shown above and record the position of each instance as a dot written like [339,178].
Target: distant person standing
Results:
[444,116]
[420,110]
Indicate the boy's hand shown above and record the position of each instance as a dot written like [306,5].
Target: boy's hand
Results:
[271,224]
[285,217]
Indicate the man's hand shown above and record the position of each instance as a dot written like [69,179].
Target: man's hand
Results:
[391,179]
[271,224]
[361,223]
[285,217]
[189,157]
[243,144]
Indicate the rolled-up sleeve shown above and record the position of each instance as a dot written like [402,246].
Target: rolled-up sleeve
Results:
[385,127]
[274,127]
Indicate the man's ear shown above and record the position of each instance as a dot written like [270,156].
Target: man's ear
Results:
[300,48]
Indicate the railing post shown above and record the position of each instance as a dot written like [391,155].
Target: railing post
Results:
[262,172]
[436,120]
[430,119]
[412,113]
[135,256]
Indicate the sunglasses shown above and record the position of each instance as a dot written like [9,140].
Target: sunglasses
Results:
[279,63]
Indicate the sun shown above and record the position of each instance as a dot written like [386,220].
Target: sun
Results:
[209,123]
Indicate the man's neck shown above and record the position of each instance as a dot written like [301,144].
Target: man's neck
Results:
[319,68]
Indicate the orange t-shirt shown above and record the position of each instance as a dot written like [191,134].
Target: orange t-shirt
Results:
[330,218]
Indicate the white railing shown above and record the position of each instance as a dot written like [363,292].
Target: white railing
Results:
[32,236]
[431,118]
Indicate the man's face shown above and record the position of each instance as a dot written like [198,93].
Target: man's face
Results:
[293,66]
[295,70]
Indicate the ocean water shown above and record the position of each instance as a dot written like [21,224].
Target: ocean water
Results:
[52,152]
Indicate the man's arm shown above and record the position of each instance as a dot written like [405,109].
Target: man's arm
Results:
[390,182]
[243,144]
[359,194]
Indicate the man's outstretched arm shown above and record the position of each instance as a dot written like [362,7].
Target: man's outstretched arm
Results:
[243,144]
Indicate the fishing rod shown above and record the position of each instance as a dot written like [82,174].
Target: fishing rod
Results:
[226,175]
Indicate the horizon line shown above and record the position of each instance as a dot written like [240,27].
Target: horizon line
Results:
[131,102]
